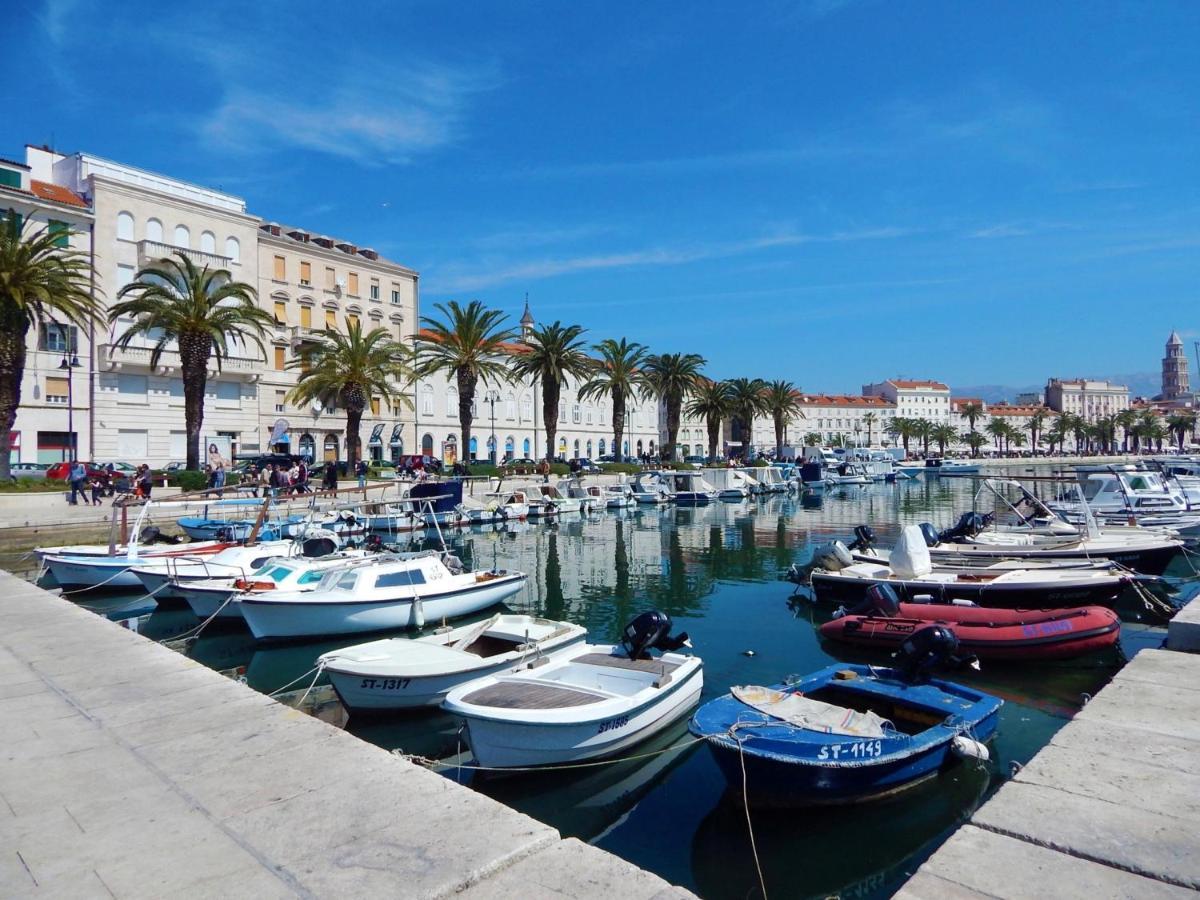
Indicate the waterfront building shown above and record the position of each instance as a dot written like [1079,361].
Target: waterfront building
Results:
[54,414]
[846,419]
[1018,416]
[1088,398]
[915,399]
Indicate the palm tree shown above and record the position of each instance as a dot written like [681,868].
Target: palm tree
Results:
[869,420]
[972,411]
[747,394]
[619,374]
[1057,433]
[781,401]
[923,428]
[552,354]
[711,402]
[672,377]
[943,435]
[38,281]
[1105,432]
[1079,428]
[903,428]
[467,342]
[812,439]
[352,368]
[1127,419]
[1150,428]
[1034,427]
[974,440]
[995,427]
[1181,424]
[204,312]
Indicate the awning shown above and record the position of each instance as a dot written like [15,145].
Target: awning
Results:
[395,438]
[376,434]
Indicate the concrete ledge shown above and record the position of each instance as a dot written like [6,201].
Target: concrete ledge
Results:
[130,770]
[1183,632]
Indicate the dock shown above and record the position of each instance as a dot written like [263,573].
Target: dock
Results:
[1109,808]
[132,771]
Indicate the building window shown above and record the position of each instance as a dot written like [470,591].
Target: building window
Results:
[132,389]
[427,403]
[281,312]
[208,242]
[124,226]
[183,237]
[510,406]
[280,271]
[352,319]
[306,317]
[526,411]
[353,284]
[590,414]
[331,319]
[57,338]
[395,297]
[330,278]
[9,178]
[576,414]
[154,231]
[280,358]
[305,273]
[56,389]
[280,397]
[452,402]
[562,411]
[374,406]
[233,249]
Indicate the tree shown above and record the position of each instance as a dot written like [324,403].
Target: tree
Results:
[1181,424]
[468,343]
[618,374]
[672,377]
[204,312]
[748,402]
[974,440]
[812,439]
[38,282]
[1127,419]
[1150,429]
[781,401]
[711,401]
[923,429]
[352,368]
[903,428]
[943,435]
[869,420]
[996,428]
[972,411]
[1034,427]
[552,354]
[1057,433]
[1079,428]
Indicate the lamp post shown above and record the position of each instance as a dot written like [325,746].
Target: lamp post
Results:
[69,362]
[491,398]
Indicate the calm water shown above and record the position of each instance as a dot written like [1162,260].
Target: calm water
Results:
[717,571]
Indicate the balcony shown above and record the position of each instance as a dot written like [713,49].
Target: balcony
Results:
[111,358]
[300,334]
[152,251]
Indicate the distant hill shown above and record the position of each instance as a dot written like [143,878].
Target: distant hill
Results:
[1141,384]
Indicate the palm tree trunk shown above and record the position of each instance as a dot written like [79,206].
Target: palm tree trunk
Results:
[714,435]
[194,353]
[550,394]
[618,424]
[674,405]
[778,436]
[13,329]
[353,426]
[467,381]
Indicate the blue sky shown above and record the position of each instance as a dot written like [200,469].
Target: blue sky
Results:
[827,191]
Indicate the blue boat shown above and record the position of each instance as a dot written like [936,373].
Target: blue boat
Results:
[870,734]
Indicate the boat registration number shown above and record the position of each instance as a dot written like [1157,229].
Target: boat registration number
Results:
[856,750]
[613,724]
[385,684]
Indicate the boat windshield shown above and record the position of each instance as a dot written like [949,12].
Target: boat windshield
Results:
[278,573]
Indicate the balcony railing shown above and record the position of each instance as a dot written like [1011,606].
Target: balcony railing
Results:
[154,250]
[112,357]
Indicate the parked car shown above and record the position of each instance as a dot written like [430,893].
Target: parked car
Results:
[59,470]
[695,462]
[418,461]
[28,470]
[587,467]
[121,468]
[175,465]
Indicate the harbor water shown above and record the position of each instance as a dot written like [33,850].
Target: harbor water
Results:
[718,571]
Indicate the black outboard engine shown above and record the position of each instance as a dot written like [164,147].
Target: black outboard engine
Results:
[651,631]
[314,548]
[927,650]
[930,534]
[879,600]
[373,543]
[864,538]
[151,535]
[968,525]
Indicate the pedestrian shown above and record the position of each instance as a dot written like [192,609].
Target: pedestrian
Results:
[360,469]
[97,485]
[218,478]
[146,482]
[77,477]
[330,480]
[293,479]
[302,477]
[264,481]
[544,470]
[273,481]
[252,479]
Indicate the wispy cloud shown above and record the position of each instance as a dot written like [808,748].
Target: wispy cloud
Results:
[488,274]
[1003,230]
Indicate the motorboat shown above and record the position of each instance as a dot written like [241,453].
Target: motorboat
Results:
[732,484]
[910,572]
[651,488]
[402,673]
[551,495]
[847,733]
[392,516]
[574,491]
[619,496]
[590,701]
[160,575]
[689,487]
[771,479]
[88,571]
[497,506]
[883,622]
[848,473]
[1124,493]
[937,465]
[381,592]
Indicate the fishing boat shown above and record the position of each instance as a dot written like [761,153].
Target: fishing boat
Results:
[589,702]
[161,575]
[230,519]
[71,571]
[402,673]
[910,572]
[848,473]
[385,591]
[847,733]
[883,622]
[651,489]
[689,487]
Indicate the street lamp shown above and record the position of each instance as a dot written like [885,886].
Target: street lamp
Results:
[70,361]
[491,398]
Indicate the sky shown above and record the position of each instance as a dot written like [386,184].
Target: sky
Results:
[831,192]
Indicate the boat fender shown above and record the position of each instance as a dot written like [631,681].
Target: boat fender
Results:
[959,601]
[968,748]
[418,613]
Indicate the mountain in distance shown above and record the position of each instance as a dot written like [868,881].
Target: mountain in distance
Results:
[1141,384]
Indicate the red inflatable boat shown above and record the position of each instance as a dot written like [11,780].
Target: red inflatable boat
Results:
[988,633]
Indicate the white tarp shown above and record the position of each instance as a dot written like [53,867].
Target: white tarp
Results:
[910,557]
[815,715]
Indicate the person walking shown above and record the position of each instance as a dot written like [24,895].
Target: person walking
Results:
[145,481]
[360,469]
[544,470]
[97,486]
[218,479]
[330,480]
[77,476]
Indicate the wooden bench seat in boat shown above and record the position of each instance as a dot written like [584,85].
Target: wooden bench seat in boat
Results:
[528,695]
[654,666]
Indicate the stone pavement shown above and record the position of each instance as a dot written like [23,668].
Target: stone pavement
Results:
[131,771]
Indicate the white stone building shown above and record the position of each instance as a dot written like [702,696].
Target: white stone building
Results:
[1089,399]
[852,420]
[915,399]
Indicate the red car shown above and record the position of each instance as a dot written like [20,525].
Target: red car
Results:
[59,471]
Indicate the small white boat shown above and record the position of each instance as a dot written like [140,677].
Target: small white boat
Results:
[771,478]
[619,496]
[498,506]
[848,473]
[690,487]
[402,673]
[651,489]
[116,571]
[552,495]
[591,701]
[939,466]
[382,592]
[161,574]
[573,490]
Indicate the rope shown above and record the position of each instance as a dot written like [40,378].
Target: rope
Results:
[762,882]
[101,584]
[195,632]
[311,684]
[431,763]
[294,680]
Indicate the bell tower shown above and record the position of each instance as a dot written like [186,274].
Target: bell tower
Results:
[1174,369]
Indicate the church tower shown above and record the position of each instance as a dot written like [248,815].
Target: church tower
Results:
[1174,369]
[527,324]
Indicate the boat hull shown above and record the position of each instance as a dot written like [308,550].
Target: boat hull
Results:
[93,573]
[835,589]
[207,602]
[1147,560]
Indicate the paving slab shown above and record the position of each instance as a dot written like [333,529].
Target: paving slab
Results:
[1163,667]
[1166,753]
[1183,631]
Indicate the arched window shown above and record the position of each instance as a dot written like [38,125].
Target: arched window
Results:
[474,447]
[510,447]
[562,446]
[576,448]
[626,448]
[525,447]
[510,406]
[427,400]
[639,446]
[589,450]
[526,410]
[183,237]
[208,242]
[427,444]
[154,230]
[331,448]
[491,448]
[124,226]
[452,401]
[233,249]
[602,446]
[308,447]
[651,450]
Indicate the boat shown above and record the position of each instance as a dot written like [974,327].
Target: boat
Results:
[771,479]
[732,484]
[87,571]
[650,488]
[910,572]
[937,465]
[1122,492]
[497,506]
[552,495]
[883,622]
[402,673]
[619,496]
[847,733]
[160,575]
[591,701]
[392,516]
[848,473]
[381,592]
[689,487]
[574,489]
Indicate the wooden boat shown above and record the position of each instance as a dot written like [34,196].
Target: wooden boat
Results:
[402,673]
[844,734]
[591,701]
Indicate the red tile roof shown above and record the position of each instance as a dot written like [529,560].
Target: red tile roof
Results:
[848,400]
[909,385]
[426,335]
[47,191]
[1003,409]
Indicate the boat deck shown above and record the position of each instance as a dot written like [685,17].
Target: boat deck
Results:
[529,695]
[655,666]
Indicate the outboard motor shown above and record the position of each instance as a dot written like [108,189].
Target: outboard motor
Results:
[318,546]
[651,631]
[968,525]
[833,557]
[453,563]
[927,650]
[930,534]
[864,538]
[373,543]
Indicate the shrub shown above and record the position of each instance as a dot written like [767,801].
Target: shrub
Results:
[620,468]
[34,486]
[188,480]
